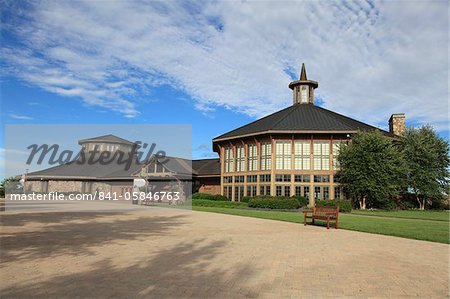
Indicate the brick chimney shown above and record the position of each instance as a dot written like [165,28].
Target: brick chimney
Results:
[397,124]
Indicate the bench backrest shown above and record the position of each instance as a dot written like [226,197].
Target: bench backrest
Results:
[324,210]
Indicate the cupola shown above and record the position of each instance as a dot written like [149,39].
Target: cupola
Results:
[303,89]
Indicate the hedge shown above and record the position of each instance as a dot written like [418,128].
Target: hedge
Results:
[246,198]
[303,201]
[218,203]
[209,196]
[345,206]
[276,203]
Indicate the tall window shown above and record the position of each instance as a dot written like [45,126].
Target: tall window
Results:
[326,193]
[266,155]
[264,190]
[240,158]
[317,193]
[306,191]
[278,191]
[238,193]
[252,157]
[283,155]
[225,191]
[228,159]
[251,190]
[304,94]
[298,191]
[302,151]
[321,155]
[337,192]
[228,192]
[287,191]
[336,147]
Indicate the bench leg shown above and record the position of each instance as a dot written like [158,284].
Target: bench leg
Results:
[328,223]
[336,226]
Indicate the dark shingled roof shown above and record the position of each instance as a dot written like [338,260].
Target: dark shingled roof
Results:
[301,117]
[206,166]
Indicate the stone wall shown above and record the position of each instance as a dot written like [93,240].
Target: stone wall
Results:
[64,186]
[33,186]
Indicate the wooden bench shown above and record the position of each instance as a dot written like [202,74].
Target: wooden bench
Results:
[327,214]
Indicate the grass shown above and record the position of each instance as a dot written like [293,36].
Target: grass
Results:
[218,203]
[434,229]
[425,215]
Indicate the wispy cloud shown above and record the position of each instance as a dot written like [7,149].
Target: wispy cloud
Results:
[21,117]
[370,58]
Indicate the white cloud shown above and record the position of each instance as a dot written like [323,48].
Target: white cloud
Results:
[21,117]
[371,58]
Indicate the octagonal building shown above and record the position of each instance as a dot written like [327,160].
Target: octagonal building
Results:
[292,152]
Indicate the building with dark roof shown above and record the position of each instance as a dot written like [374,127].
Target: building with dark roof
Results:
[115,176]
[291,152]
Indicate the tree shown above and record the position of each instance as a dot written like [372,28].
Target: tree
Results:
[9,185]
[427,161]
[371,169]
[2,188]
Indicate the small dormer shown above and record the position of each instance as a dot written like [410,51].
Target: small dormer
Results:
[303,89]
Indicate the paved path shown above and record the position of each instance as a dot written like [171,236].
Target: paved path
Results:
[160,253]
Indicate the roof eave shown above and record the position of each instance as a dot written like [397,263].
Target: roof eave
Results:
[285,132]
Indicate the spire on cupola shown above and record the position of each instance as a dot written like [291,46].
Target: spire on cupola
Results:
[303,73]
[303,88]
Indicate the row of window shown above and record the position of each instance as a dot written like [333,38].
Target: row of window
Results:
[101,147]
[320,192]
[264,178]
[283,156]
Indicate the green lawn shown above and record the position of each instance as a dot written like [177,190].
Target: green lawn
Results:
[436,230]
[426,215]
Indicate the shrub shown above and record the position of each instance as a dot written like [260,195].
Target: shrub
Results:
[217,203]
[209,196]
[440,204]
[303,201]
[246,198]
[345,206]
[389,205]
[278,203]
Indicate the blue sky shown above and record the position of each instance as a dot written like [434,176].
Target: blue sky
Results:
[220,65]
